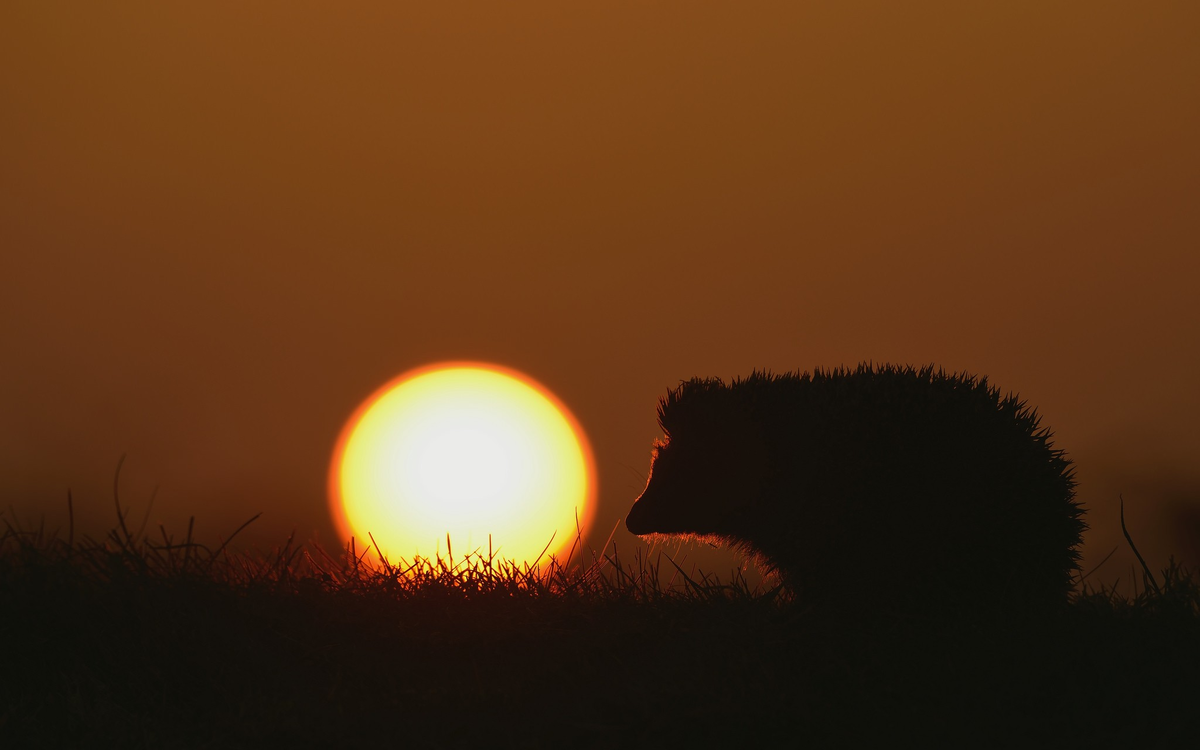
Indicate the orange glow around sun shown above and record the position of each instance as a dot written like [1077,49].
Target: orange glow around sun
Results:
[465,449]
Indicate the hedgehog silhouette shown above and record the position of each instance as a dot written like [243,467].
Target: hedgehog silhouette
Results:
[883,486]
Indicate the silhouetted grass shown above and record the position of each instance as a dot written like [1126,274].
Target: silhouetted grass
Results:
[148,640]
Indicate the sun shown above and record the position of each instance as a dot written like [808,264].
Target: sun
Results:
[475,451]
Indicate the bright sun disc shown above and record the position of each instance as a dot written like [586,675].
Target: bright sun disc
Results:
[464,449]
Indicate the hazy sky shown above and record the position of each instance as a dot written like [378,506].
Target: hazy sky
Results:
[224,224]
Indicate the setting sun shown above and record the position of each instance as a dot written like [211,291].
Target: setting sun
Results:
[466,449]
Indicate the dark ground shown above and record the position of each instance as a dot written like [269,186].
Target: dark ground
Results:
[120,645]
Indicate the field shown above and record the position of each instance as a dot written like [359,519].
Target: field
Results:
[147,640]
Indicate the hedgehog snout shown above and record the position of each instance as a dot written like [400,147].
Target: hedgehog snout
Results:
[638,520]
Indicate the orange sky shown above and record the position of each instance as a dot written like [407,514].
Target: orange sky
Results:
[223,224]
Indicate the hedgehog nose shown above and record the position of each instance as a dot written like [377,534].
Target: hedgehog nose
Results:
[637,521]
[634,522]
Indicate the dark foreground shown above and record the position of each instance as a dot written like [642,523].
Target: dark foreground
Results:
[122,644]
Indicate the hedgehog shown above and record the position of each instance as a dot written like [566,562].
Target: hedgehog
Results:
[880,487]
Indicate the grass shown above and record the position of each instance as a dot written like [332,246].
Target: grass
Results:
[140,640]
